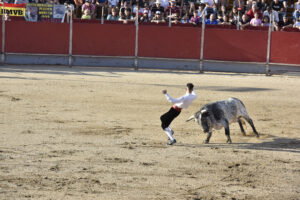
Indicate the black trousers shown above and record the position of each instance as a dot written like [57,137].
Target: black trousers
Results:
[168,117]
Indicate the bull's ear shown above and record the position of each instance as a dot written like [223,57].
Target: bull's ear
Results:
[204,113]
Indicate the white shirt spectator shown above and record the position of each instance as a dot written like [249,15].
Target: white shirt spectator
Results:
[275,13]
[113,2]
[184,101]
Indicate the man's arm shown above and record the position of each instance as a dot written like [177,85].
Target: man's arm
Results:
[172,100]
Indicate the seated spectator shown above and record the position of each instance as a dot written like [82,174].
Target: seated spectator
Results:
[240,5]
[78,7]
[101,6]
[124,6]
[225,20]
[113,3]
[284,23]
[235,16]
[126,17]
[185,12]
[88,6]
[145,17]
[212,20]
[265,21]
[195,19]
[158,7]
[297,23]
[158,18]
[86,14]
[172,10]
[296,12]
[222,3]
[201,12]
[185,19]
[176,18]
[244,22]
[262,5]
[278,6]
[113,16]
[254,9]
[269,12]
[255,21]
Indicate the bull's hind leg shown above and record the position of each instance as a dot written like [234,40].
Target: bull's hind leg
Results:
[249,120]
[241,126]
[208,137]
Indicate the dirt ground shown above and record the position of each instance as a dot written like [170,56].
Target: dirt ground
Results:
[94,133]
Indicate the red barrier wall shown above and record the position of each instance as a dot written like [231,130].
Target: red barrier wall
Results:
[285,47]
[234,45]
[166,42]
[103,39]
[40,38]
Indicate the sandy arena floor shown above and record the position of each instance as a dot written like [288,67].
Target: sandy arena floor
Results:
[94,133]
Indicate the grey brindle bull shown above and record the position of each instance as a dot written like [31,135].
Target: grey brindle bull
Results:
[220,114]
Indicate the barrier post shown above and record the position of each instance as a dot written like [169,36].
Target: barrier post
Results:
[269,47]
[102,15]
[202,43]
[3,36]
[70,37]
[170,13]
[136,40]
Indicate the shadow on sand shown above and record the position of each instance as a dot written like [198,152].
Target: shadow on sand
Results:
[277,144]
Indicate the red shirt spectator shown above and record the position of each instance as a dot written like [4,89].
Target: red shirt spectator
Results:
[253,10]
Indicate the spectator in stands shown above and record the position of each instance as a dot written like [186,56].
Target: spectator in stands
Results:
[235,16]
[185,12]
[265,21]
[126,17]
[172,10]
[296,12]
[176,18]
[78,7]
[114,15]
[297,23]
[256,20]
[212,20]
[195,19]
[254,9]
[124,6]
[240,5]
[222,3]
[145,17]
[202,12]
[113,3]
[284,23]
[269,12]
[262,5]
[158,18]
[185,19]
[158,7]
[225,20]
[88,6]
[244,22]
[101,6]
[278,6]
[86,14]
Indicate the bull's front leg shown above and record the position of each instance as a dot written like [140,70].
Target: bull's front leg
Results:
[227,133]
[208,137]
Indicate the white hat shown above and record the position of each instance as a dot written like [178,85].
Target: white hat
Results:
[158,1]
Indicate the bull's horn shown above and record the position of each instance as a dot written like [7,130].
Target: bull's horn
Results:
[190,118]
[203,111]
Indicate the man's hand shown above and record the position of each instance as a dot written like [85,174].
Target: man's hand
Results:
[164,91]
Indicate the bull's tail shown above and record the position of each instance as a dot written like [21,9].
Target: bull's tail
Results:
[190,118]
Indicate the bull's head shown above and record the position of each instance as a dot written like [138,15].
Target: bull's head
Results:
[205,121]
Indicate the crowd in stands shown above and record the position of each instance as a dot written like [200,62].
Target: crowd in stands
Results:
[258,13]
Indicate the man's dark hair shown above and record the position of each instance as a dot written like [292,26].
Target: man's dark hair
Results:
[190,86]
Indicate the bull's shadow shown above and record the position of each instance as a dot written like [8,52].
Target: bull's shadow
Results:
[277,144]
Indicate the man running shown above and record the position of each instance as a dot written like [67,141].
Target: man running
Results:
[179,103]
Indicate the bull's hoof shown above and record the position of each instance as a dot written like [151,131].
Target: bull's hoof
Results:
[229,141]
[205,142]
[256,134]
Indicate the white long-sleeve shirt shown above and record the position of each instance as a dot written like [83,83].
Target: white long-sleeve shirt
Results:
[184,101]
